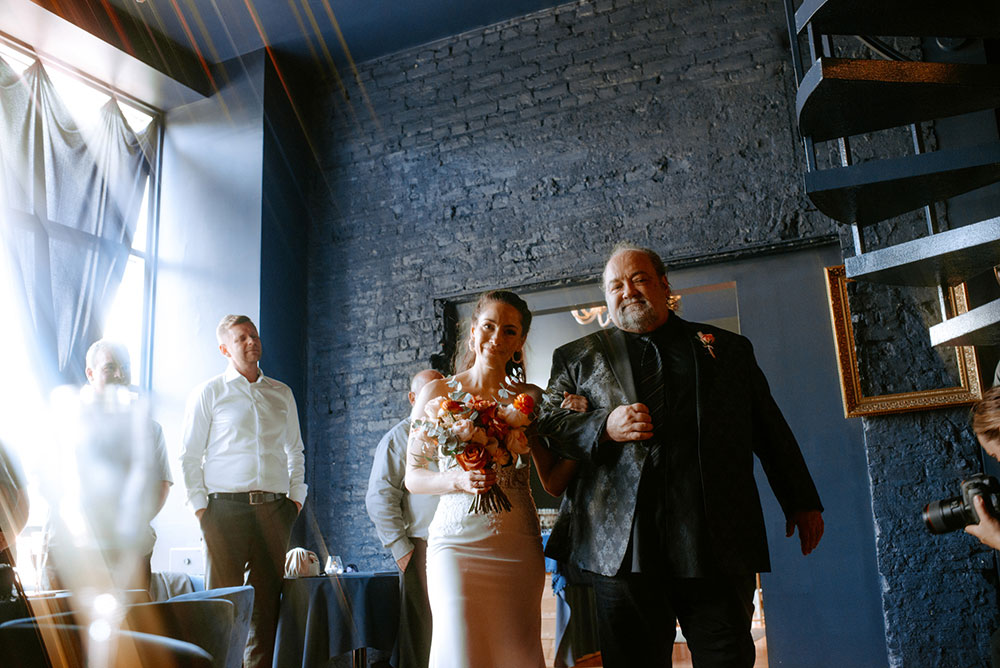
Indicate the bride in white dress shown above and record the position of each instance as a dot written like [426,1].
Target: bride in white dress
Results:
[485,572]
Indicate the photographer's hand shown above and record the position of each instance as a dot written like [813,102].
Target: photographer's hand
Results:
[988,529]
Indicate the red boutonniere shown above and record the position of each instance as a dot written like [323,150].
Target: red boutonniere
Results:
[707,340]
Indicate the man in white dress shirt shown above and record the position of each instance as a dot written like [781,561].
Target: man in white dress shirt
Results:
[244,468]
[401,522]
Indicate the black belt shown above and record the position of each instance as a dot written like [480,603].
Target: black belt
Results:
[253,498]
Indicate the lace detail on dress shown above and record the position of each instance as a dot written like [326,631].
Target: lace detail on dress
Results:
[513,477]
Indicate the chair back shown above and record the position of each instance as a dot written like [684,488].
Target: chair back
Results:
[57,618]
[50,603]
[205,623]
[56,602]
[62,645]
[242,600]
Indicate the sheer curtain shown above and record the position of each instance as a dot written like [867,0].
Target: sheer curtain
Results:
[69,202]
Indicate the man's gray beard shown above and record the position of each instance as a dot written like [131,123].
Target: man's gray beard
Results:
[637,318]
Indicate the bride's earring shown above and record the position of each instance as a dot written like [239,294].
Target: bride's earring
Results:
[516,357]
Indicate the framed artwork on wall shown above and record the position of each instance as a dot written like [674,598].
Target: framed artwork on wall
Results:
[958,382]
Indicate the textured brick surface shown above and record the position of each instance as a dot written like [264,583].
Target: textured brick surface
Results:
[518,154]
[939,609]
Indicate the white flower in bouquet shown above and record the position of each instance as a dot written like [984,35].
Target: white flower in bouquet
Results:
[513,416]
[432,407]
[463,430]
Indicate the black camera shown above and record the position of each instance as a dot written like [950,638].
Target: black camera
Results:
[958,512]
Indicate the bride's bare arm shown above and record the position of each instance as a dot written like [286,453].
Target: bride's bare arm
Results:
[421,451]
[554,472]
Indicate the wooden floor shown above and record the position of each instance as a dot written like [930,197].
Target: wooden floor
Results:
[681,657]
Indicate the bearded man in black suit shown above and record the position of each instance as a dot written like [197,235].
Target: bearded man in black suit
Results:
[664,511]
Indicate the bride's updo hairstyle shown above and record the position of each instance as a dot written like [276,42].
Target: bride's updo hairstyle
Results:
[515,368]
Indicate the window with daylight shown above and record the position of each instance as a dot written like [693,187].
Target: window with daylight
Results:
[116,139]
[78,195]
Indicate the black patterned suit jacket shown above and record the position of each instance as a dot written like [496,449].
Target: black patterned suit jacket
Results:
[737,419]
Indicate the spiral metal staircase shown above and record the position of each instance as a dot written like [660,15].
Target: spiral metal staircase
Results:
[839,97]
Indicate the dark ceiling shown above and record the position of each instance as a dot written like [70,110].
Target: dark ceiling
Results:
[217,30]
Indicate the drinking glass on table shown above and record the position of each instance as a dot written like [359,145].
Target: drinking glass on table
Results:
[334,565]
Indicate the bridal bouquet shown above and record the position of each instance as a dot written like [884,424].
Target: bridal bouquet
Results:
[480,434]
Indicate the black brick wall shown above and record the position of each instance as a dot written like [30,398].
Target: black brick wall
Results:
[518,154]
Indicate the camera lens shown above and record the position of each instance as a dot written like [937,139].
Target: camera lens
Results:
[946,515]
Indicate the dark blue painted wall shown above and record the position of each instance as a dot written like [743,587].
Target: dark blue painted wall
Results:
[783,310]
[284,235]
[284,238]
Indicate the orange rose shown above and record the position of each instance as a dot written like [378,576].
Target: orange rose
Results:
[524,403]
[473,458]
[485,408]
[496,427]
[452,406]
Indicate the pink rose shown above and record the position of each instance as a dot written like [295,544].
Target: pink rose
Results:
[463,430]
[517,442]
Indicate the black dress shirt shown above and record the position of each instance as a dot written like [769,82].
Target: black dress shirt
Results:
[669,530]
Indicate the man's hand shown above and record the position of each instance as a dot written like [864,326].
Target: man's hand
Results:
[810,524]
[988,529]
[298,506]
[199,513]
[629,423]
[404,560]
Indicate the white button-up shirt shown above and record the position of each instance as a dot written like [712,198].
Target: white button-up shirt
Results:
[241,437]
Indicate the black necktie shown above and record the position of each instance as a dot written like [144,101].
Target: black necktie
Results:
[653,391]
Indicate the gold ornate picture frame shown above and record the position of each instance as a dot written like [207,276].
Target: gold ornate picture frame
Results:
[855,403]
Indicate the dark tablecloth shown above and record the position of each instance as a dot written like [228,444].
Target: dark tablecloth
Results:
[328,616]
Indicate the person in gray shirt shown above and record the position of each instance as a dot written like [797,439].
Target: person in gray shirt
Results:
[401,521]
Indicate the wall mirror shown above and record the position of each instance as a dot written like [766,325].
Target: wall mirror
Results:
[563,313]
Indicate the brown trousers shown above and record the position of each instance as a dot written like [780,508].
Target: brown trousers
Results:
[247,543]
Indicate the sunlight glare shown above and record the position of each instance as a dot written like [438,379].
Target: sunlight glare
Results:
[124,320]
[139,238]
[17,60]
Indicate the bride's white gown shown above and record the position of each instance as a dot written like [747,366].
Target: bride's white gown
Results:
[485,575]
